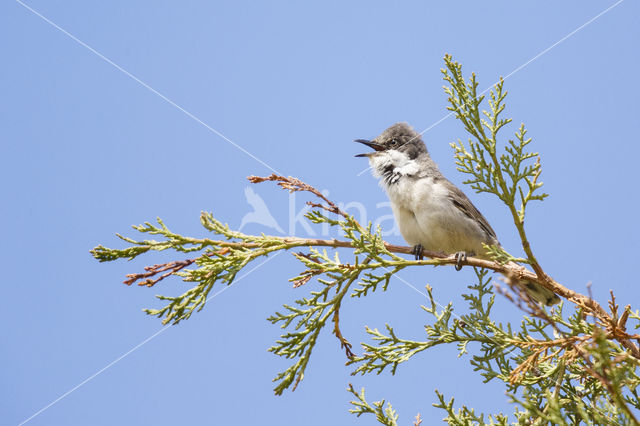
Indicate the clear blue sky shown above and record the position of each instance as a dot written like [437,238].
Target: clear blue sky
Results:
[86,151]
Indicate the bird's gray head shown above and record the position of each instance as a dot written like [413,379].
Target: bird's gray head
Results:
[399,151]
[399,137]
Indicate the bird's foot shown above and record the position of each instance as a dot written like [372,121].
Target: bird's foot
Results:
[417,251]
[461,257]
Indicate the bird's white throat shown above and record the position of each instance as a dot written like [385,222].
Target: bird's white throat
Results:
[389,166]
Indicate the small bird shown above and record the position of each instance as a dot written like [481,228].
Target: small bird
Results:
[432,213]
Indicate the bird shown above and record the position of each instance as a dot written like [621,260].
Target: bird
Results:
[260,214]
[432,213]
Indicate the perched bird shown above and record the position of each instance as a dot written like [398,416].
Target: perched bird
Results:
[432,213]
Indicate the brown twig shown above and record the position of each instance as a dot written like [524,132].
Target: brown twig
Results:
[306,276]
[573,346]
[344,343]
[294,185]
[173,268]
[146,279]
[622,323]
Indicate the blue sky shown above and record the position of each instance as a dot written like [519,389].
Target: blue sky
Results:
[86,151]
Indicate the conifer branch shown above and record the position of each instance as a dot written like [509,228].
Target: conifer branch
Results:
[557,368]
[384,415]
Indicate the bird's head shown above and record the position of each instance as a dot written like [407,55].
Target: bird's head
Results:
[399,137]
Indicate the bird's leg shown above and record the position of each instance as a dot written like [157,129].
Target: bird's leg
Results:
[461,256]
[417,251]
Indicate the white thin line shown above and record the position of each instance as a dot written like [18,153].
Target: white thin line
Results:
[138,346]
[519,68]
[136,79]
[483,92]
[88,379]
[364,170]
[244,275]
[563,38]
[414,287]
[486,90]
[441,120]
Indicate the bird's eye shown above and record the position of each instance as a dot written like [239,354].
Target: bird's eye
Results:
[393,142]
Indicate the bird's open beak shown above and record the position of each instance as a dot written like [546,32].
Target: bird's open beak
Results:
[376,146]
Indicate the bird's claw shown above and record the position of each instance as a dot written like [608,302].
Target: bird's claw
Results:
[460,258]
[417,251]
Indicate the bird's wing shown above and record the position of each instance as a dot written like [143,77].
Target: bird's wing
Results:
[462,202]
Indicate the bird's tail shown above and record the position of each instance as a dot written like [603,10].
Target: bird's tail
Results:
[539,293]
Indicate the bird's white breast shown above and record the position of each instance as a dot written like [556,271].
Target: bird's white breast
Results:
[423,208]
